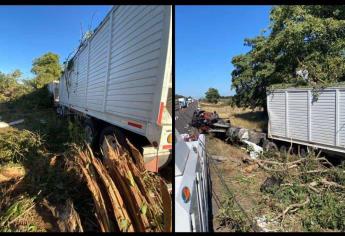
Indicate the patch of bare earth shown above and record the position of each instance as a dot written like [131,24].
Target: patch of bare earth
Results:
[243,180]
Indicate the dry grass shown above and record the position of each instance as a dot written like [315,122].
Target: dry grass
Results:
[246,118]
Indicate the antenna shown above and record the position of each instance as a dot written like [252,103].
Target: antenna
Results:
[81,31]
[90,26]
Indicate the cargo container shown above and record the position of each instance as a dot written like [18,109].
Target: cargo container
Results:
[301,116]
[121,78]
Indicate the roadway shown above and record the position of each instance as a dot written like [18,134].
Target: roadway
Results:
[183,118]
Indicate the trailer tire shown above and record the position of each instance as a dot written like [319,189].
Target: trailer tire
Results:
[303,152]
[283,150]
[269,146]
[90,133]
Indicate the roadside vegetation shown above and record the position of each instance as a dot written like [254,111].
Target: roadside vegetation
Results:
[304,46]
[279,191]
[49,180]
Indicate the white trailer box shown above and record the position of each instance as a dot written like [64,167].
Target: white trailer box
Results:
[296,115]
[53,88]
[123,73]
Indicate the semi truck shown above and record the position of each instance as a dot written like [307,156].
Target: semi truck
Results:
[192,185]
[315,119]
[119,82]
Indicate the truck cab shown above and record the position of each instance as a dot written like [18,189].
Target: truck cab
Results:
[191,185]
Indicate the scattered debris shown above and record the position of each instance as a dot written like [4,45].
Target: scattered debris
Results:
[254,150]
[5,125]
[271,184]
[266,225]
[16,122]
[218,158]
[251,168]
[67,217]
[127,197]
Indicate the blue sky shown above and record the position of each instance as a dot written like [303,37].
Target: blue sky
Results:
[27,32]
[206,39]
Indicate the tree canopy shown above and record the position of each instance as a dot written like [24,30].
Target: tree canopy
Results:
[10,89]
[305,46]
[212,95]
[46,68]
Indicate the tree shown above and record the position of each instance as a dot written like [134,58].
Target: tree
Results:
[46,68]
[212,95]
[10,89]
[308,39]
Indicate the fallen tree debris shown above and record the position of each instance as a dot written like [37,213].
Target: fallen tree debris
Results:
[127,197]
[292,208]
[67,217]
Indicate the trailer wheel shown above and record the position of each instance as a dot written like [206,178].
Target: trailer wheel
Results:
[269,146]
[112,134]
[90,133]
[303,152]
[283,150]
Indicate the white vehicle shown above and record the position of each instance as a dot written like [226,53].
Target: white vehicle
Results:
[120,81]
[53,88]
[296,116]
[191,185]
[182,102]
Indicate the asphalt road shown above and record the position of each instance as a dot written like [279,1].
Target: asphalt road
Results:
[183,118]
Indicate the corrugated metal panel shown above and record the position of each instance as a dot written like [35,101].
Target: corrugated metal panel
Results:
[298,115]
[341,128]
[82,78]
[323,118]
[277,113]
[74,83]
[326,115]
[98,68]
[122,70]
[134,60]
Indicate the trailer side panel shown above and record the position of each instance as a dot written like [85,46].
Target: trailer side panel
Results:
[317,121]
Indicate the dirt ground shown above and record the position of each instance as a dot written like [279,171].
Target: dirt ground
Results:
[245,185]
[244,181]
